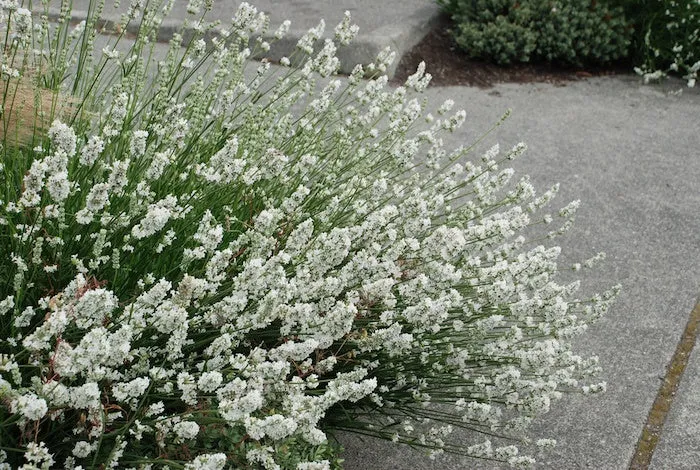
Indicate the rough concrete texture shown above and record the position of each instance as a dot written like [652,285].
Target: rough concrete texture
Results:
[679,447]
[630,153]
[399,25]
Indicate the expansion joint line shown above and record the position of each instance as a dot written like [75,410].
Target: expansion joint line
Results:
[664,398]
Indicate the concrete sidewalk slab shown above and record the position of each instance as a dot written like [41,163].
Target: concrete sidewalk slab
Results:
[399,24]
[679,446]
[630,153]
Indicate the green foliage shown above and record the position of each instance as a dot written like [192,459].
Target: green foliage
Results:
[290,452]
[569,31]
[666,38]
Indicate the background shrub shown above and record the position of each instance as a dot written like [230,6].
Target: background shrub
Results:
[570,31]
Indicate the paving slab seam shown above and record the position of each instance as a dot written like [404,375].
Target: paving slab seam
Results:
[651,433]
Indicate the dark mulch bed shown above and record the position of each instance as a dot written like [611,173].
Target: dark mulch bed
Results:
[450,66]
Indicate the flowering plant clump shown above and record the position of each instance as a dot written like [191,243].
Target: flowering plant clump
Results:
[668,39]
[205,267]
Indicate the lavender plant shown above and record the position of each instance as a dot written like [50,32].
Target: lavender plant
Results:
[208,268]
[668,39]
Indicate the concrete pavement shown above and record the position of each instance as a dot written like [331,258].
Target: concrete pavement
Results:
[397,24]
[679,446]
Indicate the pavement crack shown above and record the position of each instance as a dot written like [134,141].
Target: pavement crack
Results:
[651,433]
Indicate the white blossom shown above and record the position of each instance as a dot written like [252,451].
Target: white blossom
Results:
[82,449]
[345,32]
[63,138]
[156,218]
[129,392]
[207,462]
[29,406]
[186,430]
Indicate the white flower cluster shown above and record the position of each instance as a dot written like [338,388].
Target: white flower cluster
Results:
[234,261]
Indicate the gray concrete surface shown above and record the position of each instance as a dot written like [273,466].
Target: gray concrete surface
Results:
[679,447]
[397,24]
[631,153]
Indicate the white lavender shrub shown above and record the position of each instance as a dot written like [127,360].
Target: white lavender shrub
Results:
[668,39]
[204,269]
